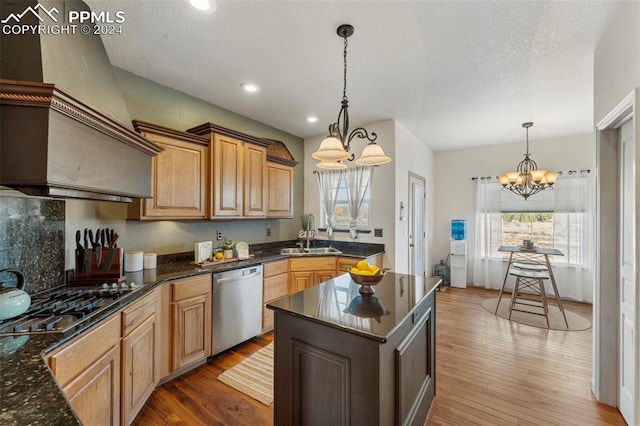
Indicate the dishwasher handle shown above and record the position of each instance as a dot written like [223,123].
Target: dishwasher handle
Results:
[237,278]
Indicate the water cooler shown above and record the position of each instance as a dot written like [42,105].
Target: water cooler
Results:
[458,253]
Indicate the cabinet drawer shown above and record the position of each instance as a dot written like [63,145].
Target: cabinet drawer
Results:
[275,268]
[275,287]
[79,354]
[191,287]
[138,312]
[313,264]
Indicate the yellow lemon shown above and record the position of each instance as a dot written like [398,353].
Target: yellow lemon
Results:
[366,272]
[374,269]
[362,265]
[219,255]
[354,270]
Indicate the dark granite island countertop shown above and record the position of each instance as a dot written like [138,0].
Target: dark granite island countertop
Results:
[345,358]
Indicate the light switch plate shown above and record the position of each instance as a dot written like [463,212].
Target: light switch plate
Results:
[203,251]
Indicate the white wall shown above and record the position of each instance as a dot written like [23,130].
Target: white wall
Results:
[390,186]
[616,75]
[412,156]
[455,195]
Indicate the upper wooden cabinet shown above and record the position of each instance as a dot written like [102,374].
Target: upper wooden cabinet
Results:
[179,184]
[280,164]
[239,175]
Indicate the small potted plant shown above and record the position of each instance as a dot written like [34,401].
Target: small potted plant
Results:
[227,246]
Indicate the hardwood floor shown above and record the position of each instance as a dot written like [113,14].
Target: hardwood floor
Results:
[489,372]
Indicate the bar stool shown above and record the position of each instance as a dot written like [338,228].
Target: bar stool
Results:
[540,267]
[532,280]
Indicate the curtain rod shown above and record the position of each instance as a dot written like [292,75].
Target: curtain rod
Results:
[569,172]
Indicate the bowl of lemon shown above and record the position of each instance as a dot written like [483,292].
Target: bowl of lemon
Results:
[366,275]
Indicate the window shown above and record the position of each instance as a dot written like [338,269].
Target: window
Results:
[534,226]
[341,218]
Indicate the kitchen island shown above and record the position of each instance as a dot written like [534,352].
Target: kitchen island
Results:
[345,358]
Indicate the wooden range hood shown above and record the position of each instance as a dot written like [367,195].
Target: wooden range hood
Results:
[65,130]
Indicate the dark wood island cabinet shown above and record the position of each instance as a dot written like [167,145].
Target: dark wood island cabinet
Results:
[342,358]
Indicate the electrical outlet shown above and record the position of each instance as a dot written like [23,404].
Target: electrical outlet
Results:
[377,232]
[219,235]
[268,231]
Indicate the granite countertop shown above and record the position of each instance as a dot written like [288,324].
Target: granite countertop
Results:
[337,303]
[29,393]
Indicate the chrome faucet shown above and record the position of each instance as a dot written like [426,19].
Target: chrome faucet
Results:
[311,229]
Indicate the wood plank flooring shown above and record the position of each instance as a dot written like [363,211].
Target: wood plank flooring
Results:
[489,372]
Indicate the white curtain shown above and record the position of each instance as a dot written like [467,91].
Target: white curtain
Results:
[488,267]
[357,181]
[573,234]
[328,187]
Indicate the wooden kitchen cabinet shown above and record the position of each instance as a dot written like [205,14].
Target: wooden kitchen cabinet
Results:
[275,285]
[280,164]
[238,172]
[191,320]
[140,353]
[88,370]
[179,176]
[280,190]
[306,272]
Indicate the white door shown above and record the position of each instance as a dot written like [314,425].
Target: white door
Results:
[626,364]
[417,235]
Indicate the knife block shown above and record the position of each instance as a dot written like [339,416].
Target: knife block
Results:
[96,273]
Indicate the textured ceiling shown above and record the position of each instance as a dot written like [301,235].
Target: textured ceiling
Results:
[456,74]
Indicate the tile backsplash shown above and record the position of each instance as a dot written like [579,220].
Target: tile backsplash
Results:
[32,240]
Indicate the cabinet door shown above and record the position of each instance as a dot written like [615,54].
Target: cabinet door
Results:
[139,367]
[227,176]
[179,180]
[95,393]
[322,276]
[280,190]
[298,281]
[255,180]
[191,330]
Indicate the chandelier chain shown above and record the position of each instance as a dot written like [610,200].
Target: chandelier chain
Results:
[344,71]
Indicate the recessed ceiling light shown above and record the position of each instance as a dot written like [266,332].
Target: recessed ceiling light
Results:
[312,119]
[208,6]
[250,87]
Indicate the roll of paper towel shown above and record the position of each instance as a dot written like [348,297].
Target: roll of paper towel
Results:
[133,261]
[150,261]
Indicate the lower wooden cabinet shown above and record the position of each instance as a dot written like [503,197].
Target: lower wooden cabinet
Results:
[275,285]
[88,370]
[140,354]
[191,320]
[309,271]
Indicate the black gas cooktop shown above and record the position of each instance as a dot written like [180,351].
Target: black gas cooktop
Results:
[63,308]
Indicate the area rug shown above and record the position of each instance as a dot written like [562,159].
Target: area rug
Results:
[253,376]
[556,321]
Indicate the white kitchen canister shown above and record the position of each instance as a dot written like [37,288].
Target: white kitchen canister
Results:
[133,261]
[150,261]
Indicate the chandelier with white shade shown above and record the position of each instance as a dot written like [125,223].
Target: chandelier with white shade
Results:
[336,147]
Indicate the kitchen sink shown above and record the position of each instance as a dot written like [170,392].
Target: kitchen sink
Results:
[297,251]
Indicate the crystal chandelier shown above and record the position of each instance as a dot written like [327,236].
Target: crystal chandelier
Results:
[336,147]
[528,179]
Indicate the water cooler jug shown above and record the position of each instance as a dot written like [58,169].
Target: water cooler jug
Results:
[458,251]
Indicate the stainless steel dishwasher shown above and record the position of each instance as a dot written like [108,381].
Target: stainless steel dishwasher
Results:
[237,307]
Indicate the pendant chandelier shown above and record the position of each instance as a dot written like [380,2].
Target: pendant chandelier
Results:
[528,179]
[336,147]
